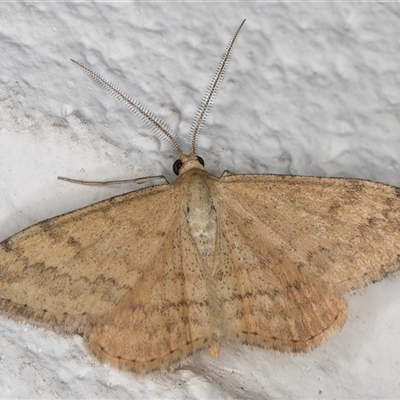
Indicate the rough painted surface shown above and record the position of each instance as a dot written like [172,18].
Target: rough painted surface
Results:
[312,89]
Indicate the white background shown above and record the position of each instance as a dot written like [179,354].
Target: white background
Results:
[312,89]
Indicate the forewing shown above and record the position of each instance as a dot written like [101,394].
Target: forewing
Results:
[346,231]
[289,247]
[69,269]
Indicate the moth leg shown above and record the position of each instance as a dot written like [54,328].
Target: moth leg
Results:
[139,181]
[227,173]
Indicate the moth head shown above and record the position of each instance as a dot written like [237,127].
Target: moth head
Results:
[187,162]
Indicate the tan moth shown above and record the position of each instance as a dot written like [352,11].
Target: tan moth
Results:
[152,276]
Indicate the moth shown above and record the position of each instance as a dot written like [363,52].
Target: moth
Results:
[152,276]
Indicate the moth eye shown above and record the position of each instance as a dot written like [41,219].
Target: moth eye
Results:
[200,160]
[177,166]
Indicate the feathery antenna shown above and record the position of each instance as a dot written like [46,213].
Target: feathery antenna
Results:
[159,126]
[212,90]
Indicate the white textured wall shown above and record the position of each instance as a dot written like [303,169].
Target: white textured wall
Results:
[312,89]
